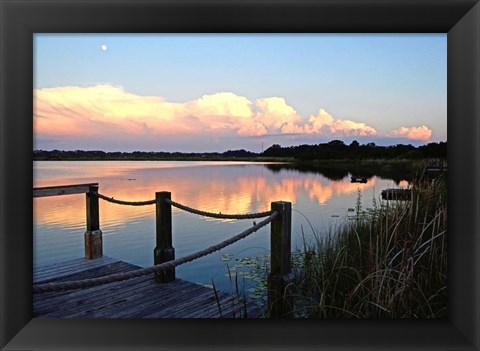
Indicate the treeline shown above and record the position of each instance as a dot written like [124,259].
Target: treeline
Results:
[337,149]
[333,150]
[137,155]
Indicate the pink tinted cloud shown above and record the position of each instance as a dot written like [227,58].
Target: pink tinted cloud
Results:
[422,133]
[324,123]
[100,109]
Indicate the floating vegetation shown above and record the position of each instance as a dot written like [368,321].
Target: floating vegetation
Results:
[227,257]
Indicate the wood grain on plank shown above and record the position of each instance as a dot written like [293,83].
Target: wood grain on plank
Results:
[139,297]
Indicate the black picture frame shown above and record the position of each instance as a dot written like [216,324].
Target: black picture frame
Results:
[460,19]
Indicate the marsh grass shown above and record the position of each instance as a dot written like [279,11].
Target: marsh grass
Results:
[387,262]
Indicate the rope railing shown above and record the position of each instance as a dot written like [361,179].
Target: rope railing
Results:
[187,209]
[128,203]
[218,215]
[87,283]
[280,279]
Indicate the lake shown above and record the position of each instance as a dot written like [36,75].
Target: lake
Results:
[228,187]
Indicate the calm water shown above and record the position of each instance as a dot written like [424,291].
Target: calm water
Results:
[227,187]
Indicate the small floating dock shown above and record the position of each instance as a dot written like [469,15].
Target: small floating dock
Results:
[358,179]
[138,297]
[397,194]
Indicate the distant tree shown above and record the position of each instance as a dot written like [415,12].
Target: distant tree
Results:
[337,143]
[238,153]
[354,144]
[434,150]
[335,149]
[273,151]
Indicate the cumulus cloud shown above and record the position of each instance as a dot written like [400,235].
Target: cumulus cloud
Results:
[276,116]
[422,133]
[221,104]
[104,109]
[324,123]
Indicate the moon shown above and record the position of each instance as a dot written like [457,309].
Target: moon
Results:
[104,47]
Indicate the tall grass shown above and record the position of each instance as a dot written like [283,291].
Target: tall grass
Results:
[388,262]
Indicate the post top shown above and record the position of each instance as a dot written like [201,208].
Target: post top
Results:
[281,203]
[163,193]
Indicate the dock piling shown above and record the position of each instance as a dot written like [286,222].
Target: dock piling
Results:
[164,250]
[93,234]
[280,279]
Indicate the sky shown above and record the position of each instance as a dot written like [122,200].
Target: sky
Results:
[219,92]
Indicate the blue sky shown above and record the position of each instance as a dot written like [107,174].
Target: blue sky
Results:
[216,92]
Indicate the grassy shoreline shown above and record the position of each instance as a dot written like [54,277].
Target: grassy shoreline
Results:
[389,262]
[220,159]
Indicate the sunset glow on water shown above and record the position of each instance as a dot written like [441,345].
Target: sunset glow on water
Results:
[226,187]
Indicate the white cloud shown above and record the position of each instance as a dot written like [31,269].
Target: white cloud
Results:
[422,133]
[108,109]
[324,123]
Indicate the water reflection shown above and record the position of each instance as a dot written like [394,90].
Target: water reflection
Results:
[216,188]
[337,171]
[129,232]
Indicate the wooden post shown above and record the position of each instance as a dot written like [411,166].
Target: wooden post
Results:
[164,251]
[280,297]
[93,235]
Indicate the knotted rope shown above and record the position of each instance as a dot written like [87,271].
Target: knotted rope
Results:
[218,215]
[129,203]
[87,283]
[186,208]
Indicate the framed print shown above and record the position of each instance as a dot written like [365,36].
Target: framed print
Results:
[212,39]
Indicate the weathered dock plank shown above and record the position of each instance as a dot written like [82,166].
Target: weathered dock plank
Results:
[98,292]
[182,306]
[62,190]
[75,303]
[57,270]
[209,310]
[139,297]
[152,306]
[145,301]
[226,304]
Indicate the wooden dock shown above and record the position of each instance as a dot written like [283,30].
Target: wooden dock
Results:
[140,297]
[155,292]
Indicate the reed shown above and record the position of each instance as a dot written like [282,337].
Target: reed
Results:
[237,307]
